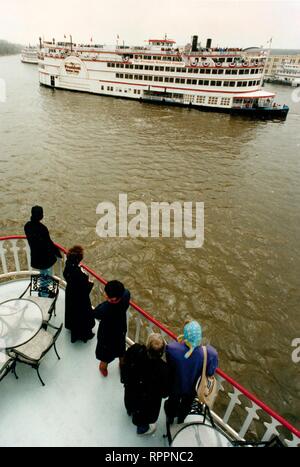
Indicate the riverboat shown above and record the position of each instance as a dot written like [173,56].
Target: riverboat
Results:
[30,55]
[210,79]
[288,73]
[78,407]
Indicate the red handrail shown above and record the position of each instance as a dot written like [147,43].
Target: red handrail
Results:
[220,372]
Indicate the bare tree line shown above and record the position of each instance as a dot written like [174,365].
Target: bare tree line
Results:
[7,48]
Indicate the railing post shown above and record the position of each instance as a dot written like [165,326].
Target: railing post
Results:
[137,330]
[15,249]
[3,258]
[252,415]
[271,429]
[27,250]
[233,402]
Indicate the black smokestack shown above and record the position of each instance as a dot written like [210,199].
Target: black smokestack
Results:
[194,43]
[208,43]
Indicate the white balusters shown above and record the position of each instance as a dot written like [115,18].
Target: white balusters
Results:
[28,257]
[15,249]
[294,443]
[137,329]
[3,258]
[252,415]
[233,402]
[61,264]
[271,429]
[149,329]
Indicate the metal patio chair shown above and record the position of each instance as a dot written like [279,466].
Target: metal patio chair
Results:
[43,290]
[7,365]
[33,352]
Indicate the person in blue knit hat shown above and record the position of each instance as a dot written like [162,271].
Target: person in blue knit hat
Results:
[185,361]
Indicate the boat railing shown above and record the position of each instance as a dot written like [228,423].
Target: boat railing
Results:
[242,415]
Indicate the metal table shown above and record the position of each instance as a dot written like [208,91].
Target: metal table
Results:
[199,435]
[20,320]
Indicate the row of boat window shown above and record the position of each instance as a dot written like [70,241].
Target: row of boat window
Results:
[214,71]
[200,82]
[178,58]
[211,100]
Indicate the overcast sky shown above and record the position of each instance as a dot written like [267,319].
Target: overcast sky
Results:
[228,22]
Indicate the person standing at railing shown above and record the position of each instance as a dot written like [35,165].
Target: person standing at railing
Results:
[44,253]
[145,378]
[79,315]
[113,325]
[185,361]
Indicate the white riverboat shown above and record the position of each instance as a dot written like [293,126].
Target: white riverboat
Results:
[30,55]
[211,79]
[78,407]
[288,73]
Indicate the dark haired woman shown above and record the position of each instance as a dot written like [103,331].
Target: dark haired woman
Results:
[79,316]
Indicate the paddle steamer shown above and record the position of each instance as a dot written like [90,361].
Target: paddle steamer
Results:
[211,79]
[30,55]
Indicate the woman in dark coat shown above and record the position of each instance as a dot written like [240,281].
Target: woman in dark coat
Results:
[145,379]
[113,325]
[78,313]
[42,250]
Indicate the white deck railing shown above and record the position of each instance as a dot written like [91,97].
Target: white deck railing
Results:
[236,410]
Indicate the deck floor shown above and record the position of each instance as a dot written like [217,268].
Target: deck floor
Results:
[77,407]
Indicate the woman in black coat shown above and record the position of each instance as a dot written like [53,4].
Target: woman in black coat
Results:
[78,313]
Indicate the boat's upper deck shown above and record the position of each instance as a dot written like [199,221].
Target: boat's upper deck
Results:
[76,407]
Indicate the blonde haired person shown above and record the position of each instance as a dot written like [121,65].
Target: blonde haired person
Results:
[145,378]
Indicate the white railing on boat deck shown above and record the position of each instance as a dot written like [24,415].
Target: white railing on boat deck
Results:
[236,410]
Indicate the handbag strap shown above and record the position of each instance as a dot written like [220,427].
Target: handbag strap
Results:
[204,365]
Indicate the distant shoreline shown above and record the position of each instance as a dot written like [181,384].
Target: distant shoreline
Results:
[8,48]
[9,54]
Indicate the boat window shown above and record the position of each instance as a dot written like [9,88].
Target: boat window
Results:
[220,72]
[208,71]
